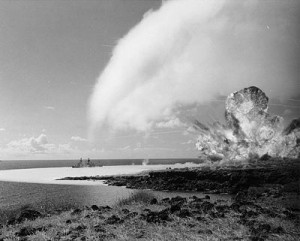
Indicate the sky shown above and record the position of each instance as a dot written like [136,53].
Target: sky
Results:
[127,78]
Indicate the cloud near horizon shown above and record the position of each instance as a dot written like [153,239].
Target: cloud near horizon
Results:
[192,51]
[40,145]
[31,145]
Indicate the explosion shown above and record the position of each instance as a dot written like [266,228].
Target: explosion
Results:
[250,131]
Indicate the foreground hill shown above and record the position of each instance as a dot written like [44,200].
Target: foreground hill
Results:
[143,217]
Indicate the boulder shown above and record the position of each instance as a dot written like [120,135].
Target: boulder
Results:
[94,207]
[114,219]
[153,201]
[125,211]
[207,206]
[76,211]
[26,231]
[184,213]
[104,208]
[27,214]
[175,207]
[131,215]
[157,217]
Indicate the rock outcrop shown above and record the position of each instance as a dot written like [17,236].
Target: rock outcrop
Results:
[250,131]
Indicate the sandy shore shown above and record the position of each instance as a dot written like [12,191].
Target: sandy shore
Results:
[49,175]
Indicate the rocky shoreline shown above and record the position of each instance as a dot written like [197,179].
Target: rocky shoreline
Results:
[283,175]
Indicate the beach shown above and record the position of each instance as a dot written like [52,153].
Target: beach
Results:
[50,175]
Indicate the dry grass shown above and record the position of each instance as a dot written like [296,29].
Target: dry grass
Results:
[92,225]
[139,196]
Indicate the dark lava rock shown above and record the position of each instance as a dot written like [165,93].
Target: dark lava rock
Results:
[114,219]
[94,207]
[176,207]
[27,214]
[260,229]
[207,197]
[249,214]
[207,206]
[289,214]
[76,211]
[184,213]
[125,211]
[99,228]
[205,231]
[278,230]
[235,207]
[68,221]
[80,227]
[105,208]
[131,215]
[157,217]
[153,201]
[177,199]
[222,208]
[195,198]
[240,196]
[25,231]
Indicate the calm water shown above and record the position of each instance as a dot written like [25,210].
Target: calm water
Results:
[49,197]
[5,165]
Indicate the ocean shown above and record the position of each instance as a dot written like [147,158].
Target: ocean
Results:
[52,197]
[6,165]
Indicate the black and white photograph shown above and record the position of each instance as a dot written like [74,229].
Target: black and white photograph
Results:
[151,120]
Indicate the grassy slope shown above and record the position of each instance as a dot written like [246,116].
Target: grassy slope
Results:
[99,225]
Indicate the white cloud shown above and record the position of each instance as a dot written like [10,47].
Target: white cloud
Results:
[190,51]
[2,129]
[32,145]
[172,123]
[78,138]
[38,145]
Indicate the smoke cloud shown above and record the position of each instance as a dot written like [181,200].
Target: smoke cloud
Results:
[192,51]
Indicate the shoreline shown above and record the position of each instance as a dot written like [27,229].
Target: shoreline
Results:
[51,175]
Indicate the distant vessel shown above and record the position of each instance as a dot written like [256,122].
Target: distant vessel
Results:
[84,163]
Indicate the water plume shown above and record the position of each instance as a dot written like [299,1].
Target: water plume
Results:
[249,132]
